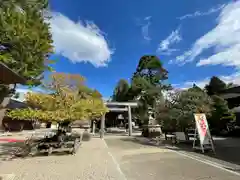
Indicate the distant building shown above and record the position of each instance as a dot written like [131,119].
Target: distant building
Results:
[17,102]
[232,96]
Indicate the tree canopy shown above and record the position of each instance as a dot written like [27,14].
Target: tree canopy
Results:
[70,99]
[25,38]
[146,86]
[221,114]
[121,91]
[177,111]
[215,86]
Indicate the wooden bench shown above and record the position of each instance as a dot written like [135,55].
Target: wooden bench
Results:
[180,137]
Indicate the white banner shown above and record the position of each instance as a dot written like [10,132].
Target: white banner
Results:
[202,128]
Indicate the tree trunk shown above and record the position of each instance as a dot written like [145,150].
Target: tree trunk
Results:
[48,125]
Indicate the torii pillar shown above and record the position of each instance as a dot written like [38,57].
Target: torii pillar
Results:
[102,126]
[127,108]
[129,121]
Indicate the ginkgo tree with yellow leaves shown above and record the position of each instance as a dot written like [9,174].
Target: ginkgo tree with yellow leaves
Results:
[68,99]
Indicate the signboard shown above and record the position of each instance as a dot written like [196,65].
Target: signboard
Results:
[202,128]
[203,131]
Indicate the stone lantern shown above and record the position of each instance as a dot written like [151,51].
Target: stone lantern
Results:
[153,128]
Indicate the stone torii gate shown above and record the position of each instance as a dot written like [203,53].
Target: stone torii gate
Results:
[119,107]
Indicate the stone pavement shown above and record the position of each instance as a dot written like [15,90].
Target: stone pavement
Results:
[140,162]
[92,162]
[115,158]
[227,151]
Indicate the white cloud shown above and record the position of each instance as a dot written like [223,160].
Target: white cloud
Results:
[233,78]
[173,38]
[223,38]
[79,41]
[145,31]
[147,18]
[198,13]
[145,24]
[180,59]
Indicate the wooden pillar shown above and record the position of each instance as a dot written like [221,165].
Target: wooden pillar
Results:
[129,121]
[102,127]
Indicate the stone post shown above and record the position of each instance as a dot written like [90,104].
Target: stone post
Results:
[93,127]
[102,126]
[129,121]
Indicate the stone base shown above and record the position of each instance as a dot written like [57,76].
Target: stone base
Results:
[152,131]
[86,135]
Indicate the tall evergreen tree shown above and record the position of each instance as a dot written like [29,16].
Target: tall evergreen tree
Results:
[215,86]
[148,82]
[121,91]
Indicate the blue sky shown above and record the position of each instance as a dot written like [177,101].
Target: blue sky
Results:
[104,40]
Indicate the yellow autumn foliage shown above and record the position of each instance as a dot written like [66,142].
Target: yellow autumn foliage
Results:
[70,100]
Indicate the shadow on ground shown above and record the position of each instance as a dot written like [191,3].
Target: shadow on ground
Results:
[10,151]
[116,132]
[137,139]
[7,150]
[227,149]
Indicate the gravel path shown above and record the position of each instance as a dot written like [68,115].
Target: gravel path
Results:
[92,162]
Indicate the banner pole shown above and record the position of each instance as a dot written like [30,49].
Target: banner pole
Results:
[212,145]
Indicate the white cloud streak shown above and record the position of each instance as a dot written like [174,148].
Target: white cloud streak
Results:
[198,13]
[173,38]
[145,24]
[223,39]
[80,41]
[145,31]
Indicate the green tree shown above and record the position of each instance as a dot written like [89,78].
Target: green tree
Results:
[221,114]
[121,91]
[178,110]
[215,86]
[148,82]
[25,41]
[151,69]
[166,114]
[25,38]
